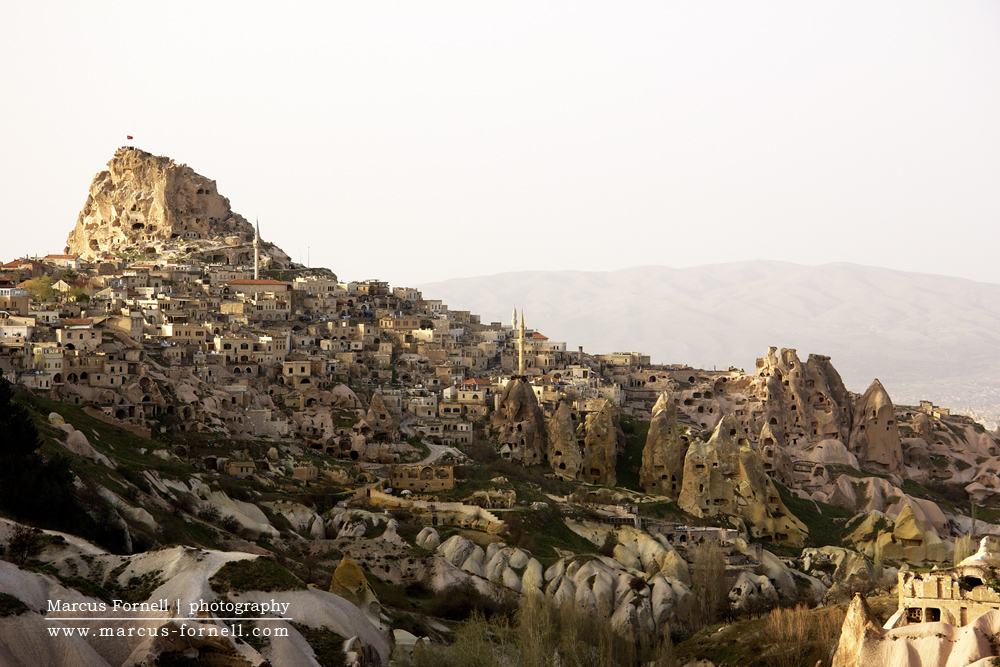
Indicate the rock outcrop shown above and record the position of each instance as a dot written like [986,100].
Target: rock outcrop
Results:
[726,476]
[875,434]
[803,403]
[565,455]
[600,448]
[662,468]
[151,204]
[380,419]
[349,582]
[904,539]
[938,644]
[520,425]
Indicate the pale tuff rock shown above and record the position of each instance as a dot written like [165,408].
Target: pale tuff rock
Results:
[663,455]
[750,590]
[724,475]
[776,461]
[600,448]
[863,642]
[565,455]
[988,554]
[428,538]
[903,538]
[155,205]
[875,436]
[380,419]
[860,631]
[911,542]
[802,402]
[851,570]
[519,421]
[349,582]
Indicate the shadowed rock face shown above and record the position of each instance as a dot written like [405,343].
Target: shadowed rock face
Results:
[663,456]
[875,436]
[519,421]
[147,202]
[726,476]
[565,456]
[600,449]
[776,461]
[380,418]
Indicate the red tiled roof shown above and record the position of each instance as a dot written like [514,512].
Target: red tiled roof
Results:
[82,322]
[538,336]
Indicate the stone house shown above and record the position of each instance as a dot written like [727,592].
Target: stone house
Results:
[957,595]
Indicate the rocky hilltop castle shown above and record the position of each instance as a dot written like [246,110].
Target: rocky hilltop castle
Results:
[149,205]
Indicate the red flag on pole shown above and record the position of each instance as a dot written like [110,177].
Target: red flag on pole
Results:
[128,136]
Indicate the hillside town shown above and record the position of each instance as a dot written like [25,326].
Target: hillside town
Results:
[379,437]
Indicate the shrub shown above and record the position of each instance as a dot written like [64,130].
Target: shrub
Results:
[11,606]
[462,600]
[24,542]
[257,574]
[209,513]
[709,585]
[231,524]
[963,548]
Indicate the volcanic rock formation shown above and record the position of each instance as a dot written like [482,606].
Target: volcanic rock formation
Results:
[724,475]
[875,436]
[803,403]
[519,421]
[600,448]
[565,456]
[153,205]
[663,456]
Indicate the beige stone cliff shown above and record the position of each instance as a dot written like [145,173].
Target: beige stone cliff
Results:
[600,448]
[804,403]
[519,423]
[726,476]
[875,436]
[565,455]
[662,468]
[153,205]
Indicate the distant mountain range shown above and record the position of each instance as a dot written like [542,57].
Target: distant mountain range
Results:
[924,336]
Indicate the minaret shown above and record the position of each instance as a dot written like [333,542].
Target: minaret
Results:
[513,320]
[520,348]
[256,252]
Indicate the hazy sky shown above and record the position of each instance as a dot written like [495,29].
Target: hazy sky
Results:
[418,141]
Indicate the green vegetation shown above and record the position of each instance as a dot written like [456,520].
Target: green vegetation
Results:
[40,289]
[627,468]
[542,532]
[258,574]
[417,443]
[327,645]
[11,606]
[33,488]
[537,634]
[783,638]
[818,517]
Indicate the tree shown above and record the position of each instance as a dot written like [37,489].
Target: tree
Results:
[709,584]
[40,289]
[31,488]
[20,435]
[24,542]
